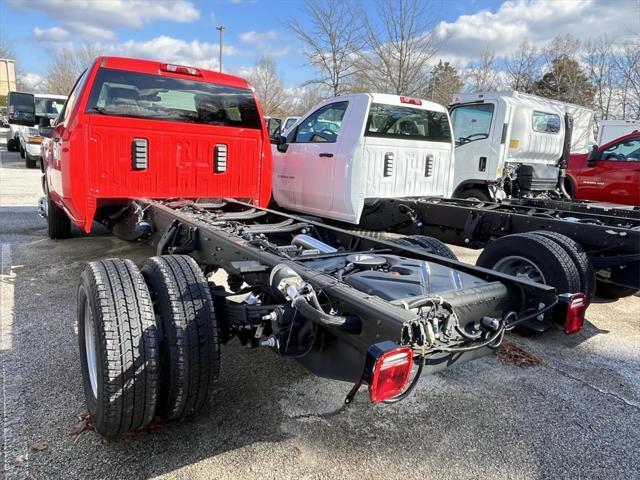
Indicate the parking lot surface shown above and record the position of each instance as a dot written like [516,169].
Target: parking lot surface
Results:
[575,415]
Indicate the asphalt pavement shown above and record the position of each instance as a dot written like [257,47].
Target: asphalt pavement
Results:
[574,415]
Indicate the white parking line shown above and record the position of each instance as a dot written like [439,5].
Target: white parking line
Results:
[15,453]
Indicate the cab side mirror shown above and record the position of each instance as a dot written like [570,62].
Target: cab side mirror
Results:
[44,126]
[21,109]
[593,156]
[281,144]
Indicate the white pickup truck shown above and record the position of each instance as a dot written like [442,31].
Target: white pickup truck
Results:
[353,149]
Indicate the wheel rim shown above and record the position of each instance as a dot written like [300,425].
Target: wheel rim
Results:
[90,348]
[520,267]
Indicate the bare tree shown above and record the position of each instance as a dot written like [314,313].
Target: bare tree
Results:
[268,86]
[331,42]
[522,67]
[482,75]
[628,68]
[398,52]
[600,67]
[62,73]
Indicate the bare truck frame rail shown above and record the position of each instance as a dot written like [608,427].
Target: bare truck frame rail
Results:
[609,236]
[345,305]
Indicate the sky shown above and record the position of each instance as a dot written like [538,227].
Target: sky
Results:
[183,31]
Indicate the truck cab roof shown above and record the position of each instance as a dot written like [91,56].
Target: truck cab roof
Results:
[155,67]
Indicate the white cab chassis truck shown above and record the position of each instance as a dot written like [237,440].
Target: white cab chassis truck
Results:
[611,129]
[511,144]
[353,149]
[384,164]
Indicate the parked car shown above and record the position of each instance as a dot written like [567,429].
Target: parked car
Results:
[47,106]
[609,173]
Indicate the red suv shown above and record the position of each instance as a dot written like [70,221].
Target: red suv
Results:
[143,129]
[609,173]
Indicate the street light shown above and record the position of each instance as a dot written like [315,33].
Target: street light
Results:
[220,28]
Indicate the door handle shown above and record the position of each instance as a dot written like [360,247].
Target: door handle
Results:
[326,155]
[482,164]
[637,170]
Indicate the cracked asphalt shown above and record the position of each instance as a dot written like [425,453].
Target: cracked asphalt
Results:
[577,415]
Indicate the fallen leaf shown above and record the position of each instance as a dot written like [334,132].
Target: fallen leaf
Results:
[39,446]
[79,427]
[552,435]
[511,354]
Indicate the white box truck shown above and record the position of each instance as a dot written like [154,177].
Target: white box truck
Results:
[611,129]
[510,144]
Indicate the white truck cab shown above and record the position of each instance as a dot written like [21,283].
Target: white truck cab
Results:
[611,129]
[510,143]
[354,149]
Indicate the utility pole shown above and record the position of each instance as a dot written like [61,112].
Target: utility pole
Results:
[220,28]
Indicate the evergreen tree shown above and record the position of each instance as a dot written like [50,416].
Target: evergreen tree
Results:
[566,81]
[444,82]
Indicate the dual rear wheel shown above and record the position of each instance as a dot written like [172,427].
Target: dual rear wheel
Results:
[148,341]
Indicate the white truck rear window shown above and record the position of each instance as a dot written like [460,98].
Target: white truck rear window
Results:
[406,123]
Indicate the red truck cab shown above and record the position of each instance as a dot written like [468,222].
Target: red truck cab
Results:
[144,129]
[609,173]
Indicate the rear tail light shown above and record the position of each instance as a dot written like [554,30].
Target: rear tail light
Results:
[168,67]
[571,311]
[410,100]
[387,370]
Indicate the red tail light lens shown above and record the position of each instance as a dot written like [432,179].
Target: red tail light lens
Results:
[573,307]
[391,372]
[410,100]
[168,67]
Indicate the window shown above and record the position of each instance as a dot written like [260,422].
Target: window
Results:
[545,122]
[627,151]
[71,100]
[471,122]
[130,94]
[48,107]
[323,125]
[394,121]
[289,123]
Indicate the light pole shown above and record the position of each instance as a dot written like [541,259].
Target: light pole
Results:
[220,28]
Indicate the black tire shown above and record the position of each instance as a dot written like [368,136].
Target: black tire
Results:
[431,245]
[190,347]
[475,193]
[555,264]
[126,347]
[22,152]
[11,145]
[30,162]
[613,291]
[58,223]
[586,272]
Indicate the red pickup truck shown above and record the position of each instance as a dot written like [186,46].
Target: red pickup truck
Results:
[609,173]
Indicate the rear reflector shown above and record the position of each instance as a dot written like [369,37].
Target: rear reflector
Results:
[389,368]
[168,67]
[573,307]
[410,100]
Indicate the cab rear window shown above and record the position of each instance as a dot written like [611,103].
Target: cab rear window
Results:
[406,123]
[130,94]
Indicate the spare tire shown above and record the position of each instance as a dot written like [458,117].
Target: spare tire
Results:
[190,347]
[532,257]
[432,245]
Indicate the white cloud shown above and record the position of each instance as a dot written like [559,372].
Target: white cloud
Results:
[32,81]
[53,34]
[112,13]
[95,19]
[536,21]
[173,50]
[258,38]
